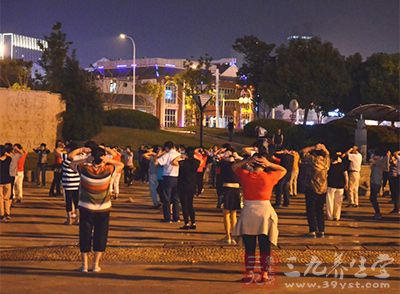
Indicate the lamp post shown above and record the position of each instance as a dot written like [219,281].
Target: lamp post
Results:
[124,36]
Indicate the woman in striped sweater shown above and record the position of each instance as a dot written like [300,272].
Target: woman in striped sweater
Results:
[94,202]
[70,182]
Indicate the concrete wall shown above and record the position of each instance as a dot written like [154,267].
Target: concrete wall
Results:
[30,117]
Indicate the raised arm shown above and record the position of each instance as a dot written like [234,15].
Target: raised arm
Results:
[77,151]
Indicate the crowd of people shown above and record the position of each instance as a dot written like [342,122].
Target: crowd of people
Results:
[245,180]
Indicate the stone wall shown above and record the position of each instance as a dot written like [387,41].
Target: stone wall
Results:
[30,117]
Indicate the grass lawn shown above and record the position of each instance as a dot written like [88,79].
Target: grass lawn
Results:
[134,137]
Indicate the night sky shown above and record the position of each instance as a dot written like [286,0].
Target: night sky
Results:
[184,28]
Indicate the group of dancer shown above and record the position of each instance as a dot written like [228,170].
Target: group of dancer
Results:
[244,181]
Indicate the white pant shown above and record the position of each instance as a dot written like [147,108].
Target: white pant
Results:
[334,198]
[114,187]
[18,183]
[354,183]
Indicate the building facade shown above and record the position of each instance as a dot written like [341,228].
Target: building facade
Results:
[16,46]
[158,93]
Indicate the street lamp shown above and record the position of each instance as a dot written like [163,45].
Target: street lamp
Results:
[124,36]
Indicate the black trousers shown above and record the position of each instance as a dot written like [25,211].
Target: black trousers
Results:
[160,191]
[394,191]
[144,170]
[41,169]
[93,225]
[170,195]
[56,183]
[71,196]
[315,211]
[264,246]
[128,174]
[186,198]
[200,177]
[282,188]
[373,198]
[12,187]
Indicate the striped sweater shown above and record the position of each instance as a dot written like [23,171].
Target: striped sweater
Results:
[70,178]
[94,190]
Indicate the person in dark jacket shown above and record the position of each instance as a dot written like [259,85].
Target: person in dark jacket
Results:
[188,166]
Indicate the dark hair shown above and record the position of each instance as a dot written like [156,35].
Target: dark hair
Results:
[91,144]
[169,145]
[72,146]
[190,152]
[7,145]
[6,148]
[156,148]
[43,144]
[317,152]
[97,154]
[18,145]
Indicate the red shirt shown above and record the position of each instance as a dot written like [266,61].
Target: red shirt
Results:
[257,185]
[21,162]
[203,161]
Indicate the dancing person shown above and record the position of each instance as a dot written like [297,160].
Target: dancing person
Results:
[57,176]
[355,159]
[316,184]
[128,160]
[258,219]
[278,140]
[41,166]
[19,179]
[295,173]
[386,170]
[201,155]
[170,181]
[337,181]
[114,187]
[15,155]
[377,162]
[394,178]
[188,166]
[285,159]
[153,174]
[70,181]
[231,197]
[231,129]
[94,202]
[5,183]
[143,164]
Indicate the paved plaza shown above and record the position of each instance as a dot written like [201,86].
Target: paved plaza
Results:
[145,255]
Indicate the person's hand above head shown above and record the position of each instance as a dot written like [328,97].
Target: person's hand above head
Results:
[86,150]
[262,161]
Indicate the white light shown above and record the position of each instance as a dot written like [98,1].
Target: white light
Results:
[241,100]
[122,36]
[246,100]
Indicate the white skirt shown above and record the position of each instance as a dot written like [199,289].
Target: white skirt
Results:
[258,217]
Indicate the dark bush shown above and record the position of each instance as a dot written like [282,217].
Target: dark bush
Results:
[337,135]
[271,125]
[131,119]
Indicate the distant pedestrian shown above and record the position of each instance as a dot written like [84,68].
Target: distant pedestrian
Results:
[41,166]
[153,174]
[201,155]
[285,159]
[394,178]
[129,168]
[278,140]
[5,183]
[56,183]
[231,129]
[295,173]
[19,179]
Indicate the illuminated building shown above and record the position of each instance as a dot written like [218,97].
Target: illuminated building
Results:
[16,46]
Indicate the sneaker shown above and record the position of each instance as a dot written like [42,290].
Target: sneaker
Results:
[248,278]
[185,227]
[176,221]
[321,235]
[356,206]
[193,227]
[83,269]
[378,216]
[394,211]
[310,235]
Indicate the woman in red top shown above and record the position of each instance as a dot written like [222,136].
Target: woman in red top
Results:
[201,155]
[258,219]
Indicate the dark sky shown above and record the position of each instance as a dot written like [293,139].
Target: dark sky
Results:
[184,28]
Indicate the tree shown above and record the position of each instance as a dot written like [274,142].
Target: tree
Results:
[15,72]
[82,118]
[257,68]
[313,72]
[355,68]
[84,110]
[54,58]
[381,83]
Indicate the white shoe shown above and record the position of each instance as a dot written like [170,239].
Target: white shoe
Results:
[96,269]
[232,242]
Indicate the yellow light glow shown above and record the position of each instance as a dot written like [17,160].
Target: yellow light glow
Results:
[122,36]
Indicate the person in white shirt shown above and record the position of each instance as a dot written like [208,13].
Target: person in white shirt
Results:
[170,181]
[355,159]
